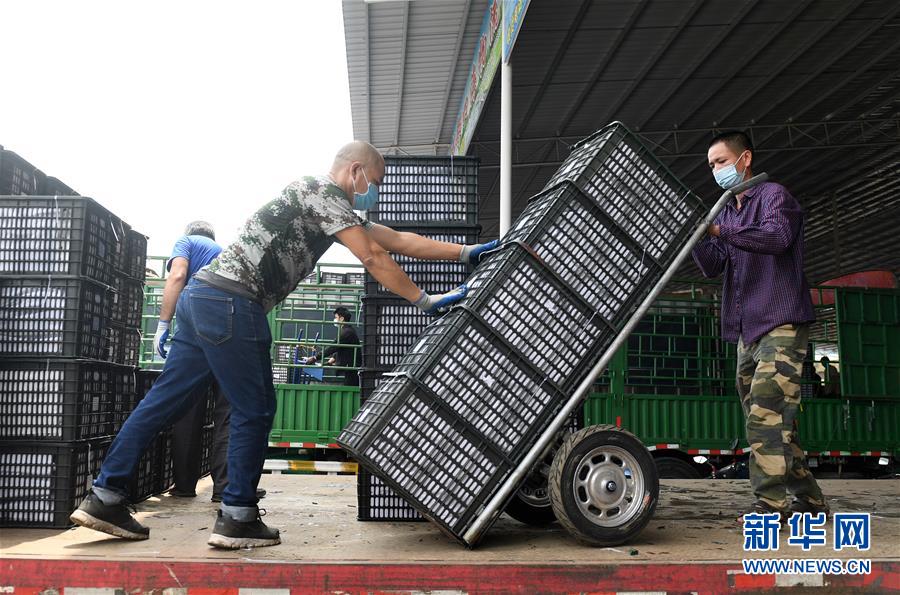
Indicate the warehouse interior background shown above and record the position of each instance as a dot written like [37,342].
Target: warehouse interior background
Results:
[816,83]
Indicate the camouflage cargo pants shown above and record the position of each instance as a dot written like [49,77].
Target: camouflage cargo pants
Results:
[768,382]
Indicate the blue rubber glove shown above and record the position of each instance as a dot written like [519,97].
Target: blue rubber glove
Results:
[434,304]
[472,253]
[160,338]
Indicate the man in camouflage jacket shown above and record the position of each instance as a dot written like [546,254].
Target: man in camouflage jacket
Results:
[223,333]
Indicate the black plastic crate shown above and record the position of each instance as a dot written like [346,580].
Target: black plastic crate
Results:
[424,452]
[355,278]
[145,381]
[17,176]
[55,187]
[164,477]
[124,394]
[432,276]
[128,301]
[123,344]
[482,378]
[64,317]
[585,248]
[376,501]
[144,481]
[537,314]
[427,189]
[58,236]
[56,400]
[390,326]
[206,446]
[332,278]
[44,482]
[369,380]
[135,265]
[634,188]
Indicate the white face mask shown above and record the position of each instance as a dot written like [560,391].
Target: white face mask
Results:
[337,323]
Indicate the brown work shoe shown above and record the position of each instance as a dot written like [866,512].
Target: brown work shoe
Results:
[802,506]
[761,507]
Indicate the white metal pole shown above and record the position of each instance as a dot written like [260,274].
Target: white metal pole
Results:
[505,147]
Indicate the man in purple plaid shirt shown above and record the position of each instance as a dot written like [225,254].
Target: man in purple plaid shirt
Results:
[757,242]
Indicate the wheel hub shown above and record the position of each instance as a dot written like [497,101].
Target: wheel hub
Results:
[608,484]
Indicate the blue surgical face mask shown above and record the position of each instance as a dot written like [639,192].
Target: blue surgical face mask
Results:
[728,176]
[367,200]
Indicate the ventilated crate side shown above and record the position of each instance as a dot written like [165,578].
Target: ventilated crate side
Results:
[62,317]
[521,300]
[17,176]
[418,190]
[44,482]
[135,255]
[58,236]
[390,326]
[616,171]
[56,400]
[376,501]
[123,345]
[127,301]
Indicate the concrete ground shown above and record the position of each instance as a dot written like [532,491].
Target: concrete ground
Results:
[695,522]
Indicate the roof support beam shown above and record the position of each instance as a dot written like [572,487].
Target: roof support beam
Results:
[700,60]
[404,35]
[365,9]
[560,52]
[601,67]
[649,64]
[461,28]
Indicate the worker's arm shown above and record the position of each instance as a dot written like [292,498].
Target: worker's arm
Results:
[178,270]
[416,246]
[175,282]
[710,257]
[381,266]
[773,233]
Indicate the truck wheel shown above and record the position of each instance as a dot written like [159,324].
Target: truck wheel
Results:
[603,486]
[531,504]
[675,468]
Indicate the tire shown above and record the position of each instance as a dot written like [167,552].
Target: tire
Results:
[531,506]
[603,486]
[675,468]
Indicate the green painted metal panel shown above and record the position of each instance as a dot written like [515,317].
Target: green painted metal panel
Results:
[869,342]
[312,412]
[713,422]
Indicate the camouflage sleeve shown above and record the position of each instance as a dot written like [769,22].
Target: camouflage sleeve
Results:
[333,211]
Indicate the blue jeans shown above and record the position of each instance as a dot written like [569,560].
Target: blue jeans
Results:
[220,335]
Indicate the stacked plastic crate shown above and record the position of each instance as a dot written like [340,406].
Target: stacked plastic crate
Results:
[70,303]
[436,197]
[478,389]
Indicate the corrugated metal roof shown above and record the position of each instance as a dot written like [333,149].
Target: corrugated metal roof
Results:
[407,64]
[816,83]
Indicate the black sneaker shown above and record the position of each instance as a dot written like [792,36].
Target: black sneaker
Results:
[230,534]
[182,493]
[260,494]
[803,506]
[761,507]
[113,519]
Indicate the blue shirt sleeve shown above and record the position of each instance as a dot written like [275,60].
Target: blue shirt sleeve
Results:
[182,248]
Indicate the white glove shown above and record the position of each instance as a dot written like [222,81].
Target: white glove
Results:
[160,338]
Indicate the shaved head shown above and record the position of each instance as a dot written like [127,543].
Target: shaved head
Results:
[360,151]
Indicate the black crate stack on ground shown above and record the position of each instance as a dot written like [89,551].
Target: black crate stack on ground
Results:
[436,197]
[474,393]
[70,304]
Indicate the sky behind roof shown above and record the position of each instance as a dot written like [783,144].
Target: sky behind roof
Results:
[167,112]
